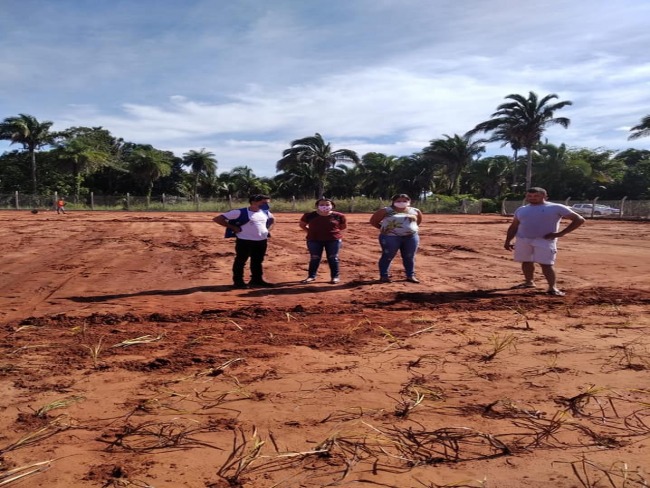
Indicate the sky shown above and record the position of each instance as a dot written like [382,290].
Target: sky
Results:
[244,78]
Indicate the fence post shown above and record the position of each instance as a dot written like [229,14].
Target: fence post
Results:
[566,202]
[593,206]
[620,207]
[293,203]
[55,199]
[163,201]
[16,200]
[92,200]
[128,201]
[503,207]
[196,203]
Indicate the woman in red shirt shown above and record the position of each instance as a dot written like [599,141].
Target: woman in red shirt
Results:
[323,227]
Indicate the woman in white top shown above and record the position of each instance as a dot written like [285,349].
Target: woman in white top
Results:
[398,226]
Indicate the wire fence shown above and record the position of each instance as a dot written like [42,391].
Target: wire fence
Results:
[170,203]
[604,209]
[597,209]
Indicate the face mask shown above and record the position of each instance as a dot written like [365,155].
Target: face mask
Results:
[401,204]
[265,206]
[324,208]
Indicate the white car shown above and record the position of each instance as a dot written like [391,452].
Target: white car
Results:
[586,208]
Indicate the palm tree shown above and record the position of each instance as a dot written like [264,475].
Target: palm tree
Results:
[344,181]
[85,151]
[201,163]
[455,153]
[641,130]
[488,177]
[149,165]
[83,159]
[378,175]
[314,152]
[240,182]
[26,130]
[523,121]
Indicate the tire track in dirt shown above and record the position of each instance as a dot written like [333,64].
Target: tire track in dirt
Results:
[28,268]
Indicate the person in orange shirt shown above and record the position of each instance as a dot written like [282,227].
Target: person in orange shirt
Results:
[60,206]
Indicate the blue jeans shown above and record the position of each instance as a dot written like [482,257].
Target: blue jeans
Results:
[406,245]
[316,252]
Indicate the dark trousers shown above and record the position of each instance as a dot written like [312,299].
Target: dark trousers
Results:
[255,250]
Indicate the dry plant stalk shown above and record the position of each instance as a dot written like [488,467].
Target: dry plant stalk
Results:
[393,341]
[631,355]
[54,427]
[22,472]
[499,344]
[453,444]
[618,475]
[406,404]
[63,403]
[521,311]
[155,436]
[241,456]
[578,402]
[94,350]
[457,484]
[145,339]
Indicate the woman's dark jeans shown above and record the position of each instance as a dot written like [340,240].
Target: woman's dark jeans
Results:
[316,252]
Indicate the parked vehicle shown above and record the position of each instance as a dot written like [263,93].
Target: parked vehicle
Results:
[586,209]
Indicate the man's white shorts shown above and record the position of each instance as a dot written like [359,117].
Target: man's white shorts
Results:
[538,250]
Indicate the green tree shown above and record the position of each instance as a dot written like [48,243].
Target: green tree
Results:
[378,175]
[455,154]
[641,130]
[522,121]
[345,181]
[488,177]
[314,152]
[636,181]
[201,163]
[86,150]
[27,130]
[148,164]
[561,172]
[241,182]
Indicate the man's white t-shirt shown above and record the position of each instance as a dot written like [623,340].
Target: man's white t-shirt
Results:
[255,229]
[536,221]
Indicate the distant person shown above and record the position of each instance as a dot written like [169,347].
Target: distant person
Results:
[324,229]
[250,225]
[536,227]
[398,227]
[60,206]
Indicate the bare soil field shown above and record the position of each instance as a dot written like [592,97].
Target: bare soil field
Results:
[126,359]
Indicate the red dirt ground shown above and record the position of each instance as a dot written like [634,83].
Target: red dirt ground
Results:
[127,361]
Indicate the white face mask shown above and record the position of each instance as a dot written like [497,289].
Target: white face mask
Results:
[325,208]
[400,204]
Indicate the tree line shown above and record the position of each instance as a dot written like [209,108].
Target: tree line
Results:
[79,160]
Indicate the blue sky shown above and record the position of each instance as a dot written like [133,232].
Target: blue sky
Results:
[243,78]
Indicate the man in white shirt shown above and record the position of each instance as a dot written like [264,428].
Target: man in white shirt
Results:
[536,227]
[252,237]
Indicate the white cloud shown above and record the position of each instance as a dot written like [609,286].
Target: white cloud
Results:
[246,78]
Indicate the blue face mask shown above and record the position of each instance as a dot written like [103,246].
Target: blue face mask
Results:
[265,206]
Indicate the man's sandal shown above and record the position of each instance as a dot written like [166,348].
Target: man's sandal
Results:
[522,286]
[556,293]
